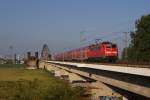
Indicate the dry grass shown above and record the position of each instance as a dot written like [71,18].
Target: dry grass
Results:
[17,83]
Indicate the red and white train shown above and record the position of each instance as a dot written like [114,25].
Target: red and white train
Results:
[101,52]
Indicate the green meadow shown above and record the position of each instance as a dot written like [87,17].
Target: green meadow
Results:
[18,83]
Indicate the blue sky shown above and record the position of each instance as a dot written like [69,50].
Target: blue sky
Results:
[28,24]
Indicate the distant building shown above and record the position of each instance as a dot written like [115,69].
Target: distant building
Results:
[2,61]
[45,54]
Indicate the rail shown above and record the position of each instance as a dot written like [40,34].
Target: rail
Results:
[120,69]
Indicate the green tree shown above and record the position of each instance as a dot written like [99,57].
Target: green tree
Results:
[139,48]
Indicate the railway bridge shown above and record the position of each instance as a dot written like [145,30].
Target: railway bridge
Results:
[129,82]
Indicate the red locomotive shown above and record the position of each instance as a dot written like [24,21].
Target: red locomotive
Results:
[101,52]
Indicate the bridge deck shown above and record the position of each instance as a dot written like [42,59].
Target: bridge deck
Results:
[120,69]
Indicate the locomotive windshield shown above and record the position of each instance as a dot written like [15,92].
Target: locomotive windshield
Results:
[114,45]
[109,45]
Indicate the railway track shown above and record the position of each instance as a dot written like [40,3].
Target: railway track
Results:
[126,65]
[119,64]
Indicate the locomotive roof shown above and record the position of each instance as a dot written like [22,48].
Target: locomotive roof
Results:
[106,42]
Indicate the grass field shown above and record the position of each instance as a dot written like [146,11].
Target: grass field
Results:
[17,83]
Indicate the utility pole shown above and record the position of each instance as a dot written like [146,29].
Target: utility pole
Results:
[81,40]
[11,50]
[63,56]
[126,45]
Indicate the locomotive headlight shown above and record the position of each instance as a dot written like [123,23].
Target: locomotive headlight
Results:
[108,52]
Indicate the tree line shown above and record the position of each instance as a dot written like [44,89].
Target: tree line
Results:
[138,50]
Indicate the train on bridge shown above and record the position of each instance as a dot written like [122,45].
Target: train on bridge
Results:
[99,52]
